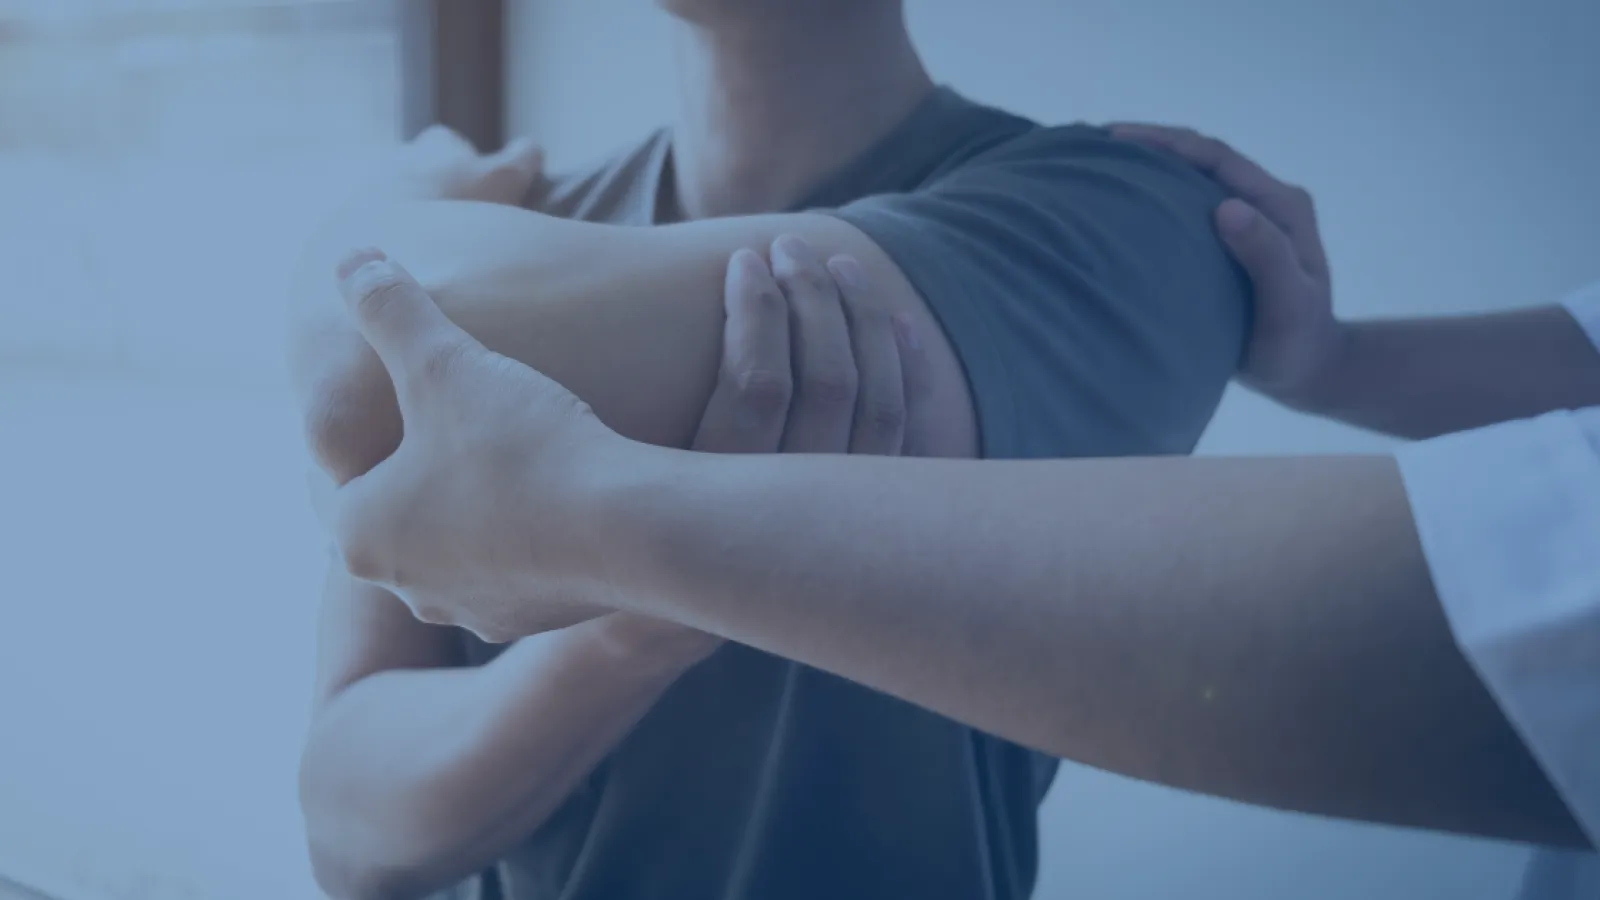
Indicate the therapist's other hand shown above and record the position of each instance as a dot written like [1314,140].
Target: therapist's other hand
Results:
[485,517]
[809,365]
[1271,228]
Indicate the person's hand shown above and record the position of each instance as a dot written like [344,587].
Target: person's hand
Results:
[440,164]
[1271,228]
[484,517]
[809,365]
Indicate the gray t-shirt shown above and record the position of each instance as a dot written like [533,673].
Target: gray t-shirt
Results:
[1095,314]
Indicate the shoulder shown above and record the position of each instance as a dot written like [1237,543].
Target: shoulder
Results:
[1084,161]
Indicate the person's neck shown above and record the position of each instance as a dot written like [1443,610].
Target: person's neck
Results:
[768,110]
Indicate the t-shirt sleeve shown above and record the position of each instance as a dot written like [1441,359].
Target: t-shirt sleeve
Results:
[1509,519]
[1083,287]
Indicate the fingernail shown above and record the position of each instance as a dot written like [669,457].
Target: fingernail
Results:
[749,263]
[370,276]
[848,272]
[358,258]
[790,248]
[907,330]
[1235,216]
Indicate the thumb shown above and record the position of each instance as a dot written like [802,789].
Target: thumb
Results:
[1261,247]
[401,322]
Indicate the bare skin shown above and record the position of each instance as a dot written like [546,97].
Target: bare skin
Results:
[417,770]
[1352,701]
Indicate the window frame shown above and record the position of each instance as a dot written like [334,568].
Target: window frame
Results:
[453,68]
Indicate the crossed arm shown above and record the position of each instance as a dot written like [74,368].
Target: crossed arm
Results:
[630,319]
[419,770]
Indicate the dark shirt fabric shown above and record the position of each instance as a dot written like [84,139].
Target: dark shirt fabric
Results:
[1095,314]
[1561,875]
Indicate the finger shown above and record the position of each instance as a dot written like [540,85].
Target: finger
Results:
[522,156]
[1266,253]
[1290,207]
[439,142]
[750,402]
[916,371]
[880,414]
[822,410]
[514,170]
[358,518]
[1238,173]
[411,335]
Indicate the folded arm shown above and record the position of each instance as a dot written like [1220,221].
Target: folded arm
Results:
[419,771]
[1072,286]
[629,319]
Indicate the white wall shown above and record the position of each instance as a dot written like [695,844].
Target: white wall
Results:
[1452,148]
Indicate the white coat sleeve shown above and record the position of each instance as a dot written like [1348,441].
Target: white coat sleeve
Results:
[1509,518]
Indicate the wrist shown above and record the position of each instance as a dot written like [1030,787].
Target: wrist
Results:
[1320,388]
[639,500]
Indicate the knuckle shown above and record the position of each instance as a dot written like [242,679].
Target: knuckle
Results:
[442,361]
[1301,197]
[885,415]
[361,560]
[378,293]
[808,276]
[766,303]
[763,391]
[332,432]
[865,314]
[348,430]
[428,614]
[830,387]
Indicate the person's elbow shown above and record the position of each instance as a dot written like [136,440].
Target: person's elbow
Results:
[403,855]
[401,847]
[339,879]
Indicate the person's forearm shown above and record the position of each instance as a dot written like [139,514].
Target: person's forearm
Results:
[414,780]
[1420,378]
[1263,630]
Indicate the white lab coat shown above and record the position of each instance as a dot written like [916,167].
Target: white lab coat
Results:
[1509,518]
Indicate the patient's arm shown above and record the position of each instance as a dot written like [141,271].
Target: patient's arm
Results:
[630,319]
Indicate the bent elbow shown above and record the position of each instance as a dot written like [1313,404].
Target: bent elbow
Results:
[343,879]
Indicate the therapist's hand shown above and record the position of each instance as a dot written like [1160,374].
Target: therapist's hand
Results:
[352,421]
[1271,228]
[809,365]
[490,497]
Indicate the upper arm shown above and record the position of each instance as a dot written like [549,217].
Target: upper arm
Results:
[1081,285]
[364,630]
